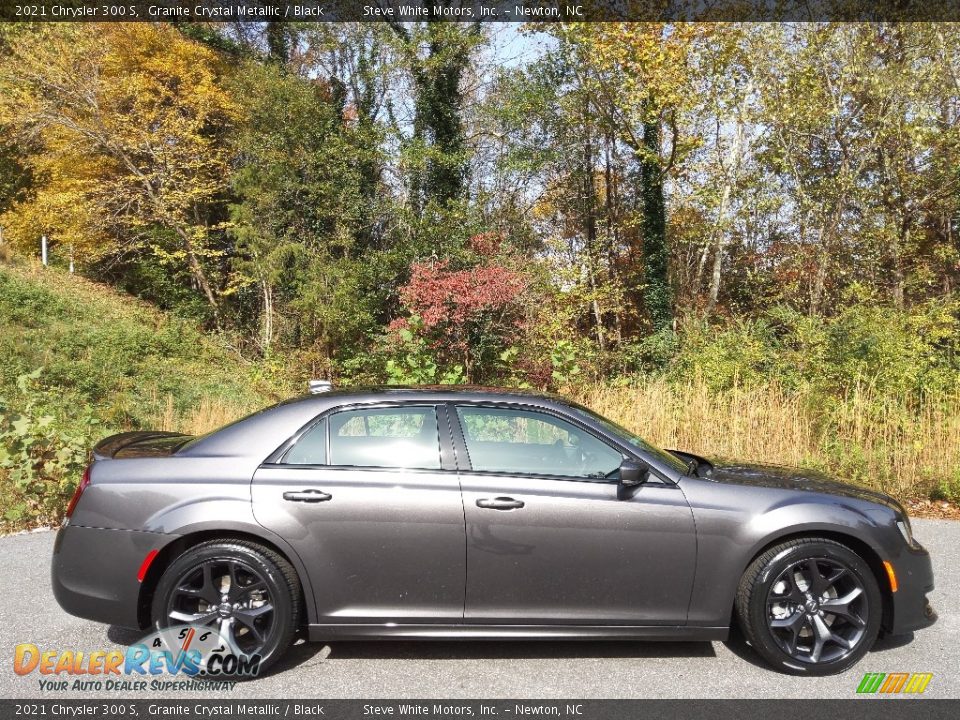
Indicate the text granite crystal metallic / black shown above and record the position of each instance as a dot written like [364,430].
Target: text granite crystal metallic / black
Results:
[480,513]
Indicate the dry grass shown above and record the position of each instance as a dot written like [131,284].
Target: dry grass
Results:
[878,442]
[209,415]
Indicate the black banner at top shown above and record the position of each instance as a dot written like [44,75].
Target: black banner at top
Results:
[478,11]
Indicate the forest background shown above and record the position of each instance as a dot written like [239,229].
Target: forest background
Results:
[741,239]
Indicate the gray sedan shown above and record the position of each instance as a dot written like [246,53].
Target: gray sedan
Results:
[466,513]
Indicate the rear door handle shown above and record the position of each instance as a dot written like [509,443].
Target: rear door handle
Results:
[307,496]
[500,503]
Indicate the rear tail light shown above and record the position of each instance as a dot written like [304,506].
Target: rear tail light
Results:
[84,481]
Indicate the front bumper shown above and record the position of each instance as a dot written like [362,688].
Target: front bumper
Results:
[94,572]
[910,608]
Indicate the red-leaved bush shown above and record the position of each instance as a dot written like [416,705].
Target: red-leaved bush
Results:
[486,244]
[465,316]
[440,296]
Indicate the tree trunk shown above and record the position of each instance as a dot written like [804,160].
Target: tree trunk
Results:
[948,235]
[899,276]
[718,246]
[611,244]
[828,230]
[199,275]
[701,266]
[657,293]
[819,282]
[589,211]
[278,42]
[730,177]
[267,331]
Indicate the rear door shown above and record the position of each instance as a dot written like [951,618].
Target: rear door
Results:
[548,540]
[369,498]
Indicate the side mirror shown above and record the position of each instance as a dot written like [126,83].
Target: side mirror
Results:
[632,474]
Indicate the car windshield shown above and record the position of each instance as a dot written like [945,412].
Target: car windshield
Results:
[671,461]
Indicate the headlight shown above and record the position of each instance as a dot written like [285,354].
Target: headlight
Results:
[903,525]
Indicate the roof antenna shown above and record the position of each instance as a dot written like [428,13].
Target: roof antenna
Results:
[319,386]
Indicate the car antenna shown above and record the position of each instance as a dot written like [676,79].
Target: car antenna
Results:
[319,386]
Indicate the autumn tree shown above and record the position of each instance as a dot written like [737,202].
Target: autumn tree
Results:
[641,73]
[858,125]
[436,55]
[360,65]
[298,212]
[130,121]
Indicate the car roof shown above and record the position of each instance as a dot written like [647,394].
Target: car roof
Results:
[375,393]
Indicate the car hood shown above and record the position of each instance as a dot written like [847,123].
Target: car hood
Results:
[791,478]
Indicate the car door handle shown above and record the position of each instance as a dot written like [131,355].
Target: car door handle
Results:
[500,503]
[307,496]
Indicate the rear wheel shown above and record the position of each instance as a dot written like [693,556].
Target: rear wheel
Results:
[249,594]
[809,607]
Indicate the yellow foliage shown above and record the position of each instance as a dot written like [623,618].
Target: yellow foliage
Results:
[126,123]
[649,60]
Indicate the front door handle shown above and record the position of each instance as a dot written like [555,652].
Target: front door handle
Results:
[500,503]
[307,496]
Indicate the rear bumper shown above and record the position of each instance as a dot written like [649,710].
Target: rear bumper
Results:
[911,610]
[94,572]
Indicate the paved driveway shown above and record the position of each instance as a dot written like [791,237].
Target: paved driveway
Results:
[498,669]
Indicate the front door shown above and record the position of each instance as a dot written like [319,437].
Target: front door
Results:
[363,498]
[549,542]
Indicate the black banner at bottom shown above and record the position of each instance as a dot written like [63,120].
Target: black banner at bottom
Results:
[853,709]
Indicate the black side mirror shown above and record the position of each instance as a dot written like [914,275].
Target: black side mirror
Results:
[632,474]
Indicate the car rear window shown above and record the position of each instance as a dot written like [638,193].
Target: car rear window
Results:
[311,448]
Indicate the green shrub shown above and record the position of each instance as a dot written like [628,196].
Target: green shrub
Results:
[40,455]
[897,354]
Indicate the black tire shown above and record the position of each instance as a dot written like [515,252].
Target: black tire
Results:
[785,611]
[270,633]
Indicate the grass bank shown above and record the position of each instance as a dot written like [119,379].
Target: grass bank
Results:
[79,361]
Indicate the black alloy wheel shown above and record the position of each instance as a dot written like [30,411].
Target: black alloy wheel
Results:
[229,595]
[249,594]
[816,610]
[810,606]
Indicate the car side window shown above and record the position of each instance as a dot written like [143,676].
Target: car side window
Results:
[401,437]
[528,442]
[311,448]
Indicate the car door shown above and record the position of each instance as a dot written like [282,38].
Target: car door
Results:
[369,498]
[548,540]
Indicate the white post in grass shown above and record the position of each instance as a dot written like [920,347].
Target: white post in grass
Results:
[71,258]
[43,250]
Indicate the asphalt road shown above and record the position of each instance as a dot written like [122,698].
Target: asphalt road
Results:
[29,613]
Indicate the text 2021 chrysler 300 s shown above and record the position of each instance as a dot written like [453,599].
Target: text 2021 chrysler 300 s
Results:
[479,513]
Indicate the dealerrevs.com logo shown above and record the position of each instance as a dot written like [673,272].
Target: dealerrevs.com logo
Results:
[197,657]
[894,683]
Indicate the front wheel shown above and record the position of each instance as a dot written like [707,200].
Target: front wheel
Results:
[810,607]
[249,594]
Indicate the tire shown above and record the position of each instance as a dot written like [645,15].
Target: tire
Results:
[247,577]
[784,609]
